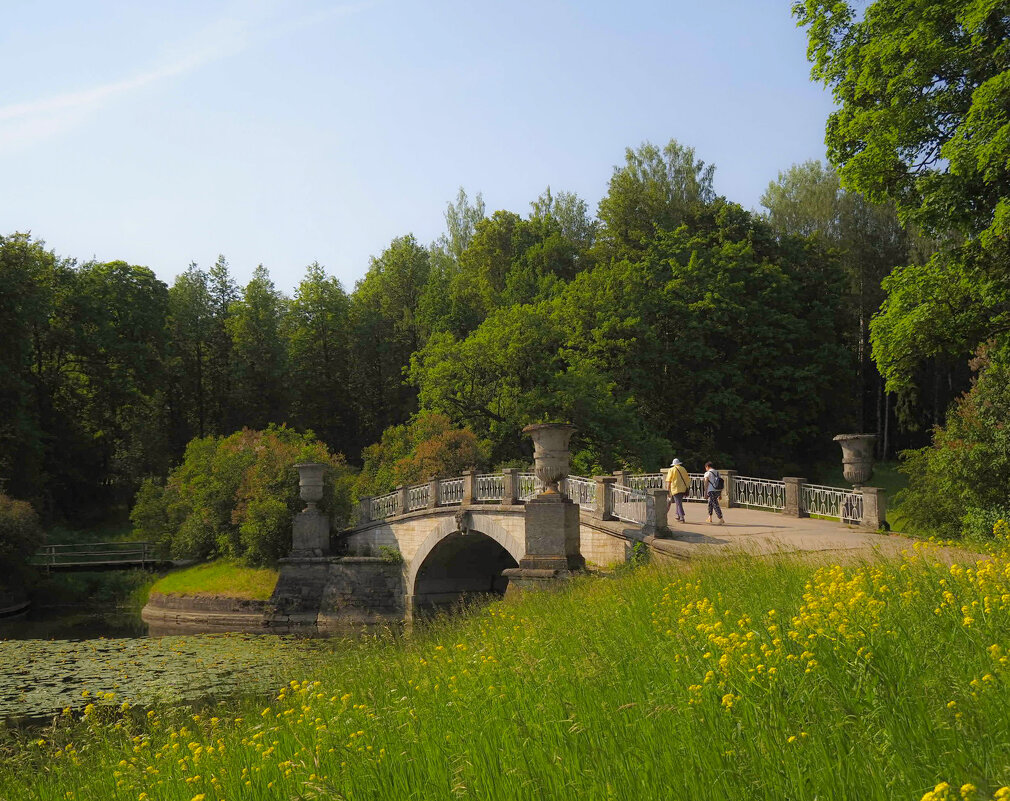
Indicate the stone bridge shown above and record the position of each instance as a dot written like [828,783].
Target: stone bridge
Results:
[432,545]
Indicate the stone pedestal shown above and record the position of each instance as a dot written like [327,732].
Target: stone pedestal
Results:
[794,497]
[552,534]
[310,534]
[728,496]
[656,507]
[469,487]
[874,508]
[364,511]
[552,545]
[603,510]
[510,486]
[523,579]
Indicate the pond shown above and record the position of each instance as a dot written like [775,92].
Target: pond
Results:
[73,623]
[54,659]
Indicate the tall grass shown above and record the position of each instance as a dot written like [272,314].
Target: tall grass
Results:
[738,679]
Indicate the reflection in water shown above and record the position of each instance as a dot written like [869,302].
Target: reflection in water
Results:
[73,623]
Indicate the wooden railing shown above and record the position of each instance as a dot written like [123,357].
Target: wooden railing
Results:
[96,554]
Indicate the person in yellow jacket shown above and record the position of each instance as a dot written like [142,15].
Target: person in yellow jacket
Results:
[678,484]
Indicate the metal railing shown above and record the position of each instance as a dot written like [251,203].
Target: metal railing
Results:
[581,490]
[645,481]
[845,505]
[489,487]
[627,503]
[529,486]
[763,493]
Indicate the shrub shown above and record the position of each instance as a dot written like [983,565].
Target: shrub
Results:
[20,534]
[967,468]
[426,447]
[235,496]
[984,523]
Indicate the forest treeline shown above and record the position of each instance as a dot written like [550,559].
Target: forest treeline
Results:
[672,320]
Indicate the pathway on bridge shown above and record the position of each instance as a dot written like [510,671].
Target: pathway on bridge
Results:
[758,532]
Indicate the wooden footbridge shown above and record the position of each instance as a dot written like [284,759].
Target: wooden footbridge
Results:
[97,556]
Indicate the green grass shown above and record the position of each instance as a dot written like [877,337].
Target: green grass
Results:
[739,679]
[221,577]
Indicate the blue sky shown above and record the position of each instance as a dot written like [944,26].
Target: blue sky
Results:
[286,133]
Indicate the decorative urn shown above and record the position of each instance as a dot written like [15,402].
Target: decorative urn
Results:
[550,453]
[310,483]
[857,456]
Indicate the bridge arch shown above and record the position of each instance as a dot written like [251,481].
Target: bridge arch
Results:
[435,575]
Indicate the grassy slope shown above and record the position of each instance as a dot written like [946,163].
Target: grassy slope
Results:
[758,680]
[220,578]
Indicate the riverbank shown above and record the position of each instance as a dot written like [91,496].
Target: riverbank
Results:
[735,677]
[217,596]
[14,603]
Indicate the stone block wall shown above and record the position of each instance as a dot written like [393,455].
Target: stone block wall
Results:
[603,548]
[361,590]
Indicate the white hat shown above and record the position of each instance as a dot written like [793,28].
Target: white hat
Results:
[675,462]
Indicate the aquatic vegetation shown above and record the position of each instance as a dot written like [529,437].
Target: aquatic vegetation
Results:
[39,678]
[738,679]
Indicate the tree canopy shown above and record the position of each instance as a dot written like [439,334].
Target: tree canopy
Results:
[923,88]
[671,321]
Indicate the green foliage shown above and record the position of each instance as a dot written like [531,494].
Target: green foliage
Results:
[513,370]
[650,194]
[960,482]
[390,554]
[983,524]
[316,330]
[235,496]
[20,534]
[254,323]
[429,446]
[922,89]
[107,588]
[80,373]
[725,340]
[386,327]
[807,200]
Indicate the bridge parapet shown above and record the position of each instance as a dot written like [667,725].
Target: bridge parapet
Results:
[631,497]
[508,488]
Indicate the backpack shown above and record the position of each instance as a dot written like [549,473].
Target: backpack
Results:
[718,481]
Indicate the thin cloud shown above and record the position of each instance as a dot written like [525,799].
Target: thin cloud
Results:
[26,123]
